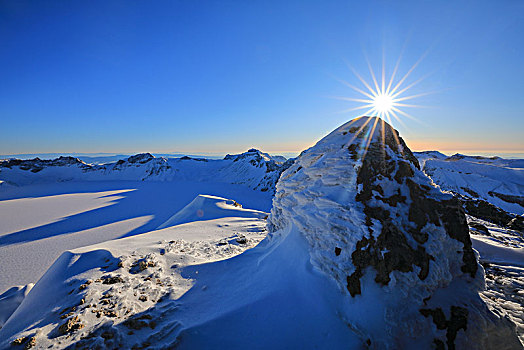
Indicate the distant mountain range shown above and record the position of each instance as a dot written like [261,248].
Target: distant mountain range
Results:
[255,169]
[488,186]
[103,158]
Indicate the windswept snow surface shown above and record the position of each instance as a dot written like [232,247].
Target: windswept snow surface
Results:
[11,299]
[206,207]
[49,206]
[39,222]
[496,180]
[502,256]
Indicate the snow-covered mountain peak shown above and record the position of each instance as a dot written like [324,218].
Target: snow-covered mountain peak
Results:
[140,158]
[381,229]
[255,156]
[369,136]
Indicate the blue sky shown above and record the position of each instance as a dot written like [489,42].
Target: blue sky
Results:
[223,76]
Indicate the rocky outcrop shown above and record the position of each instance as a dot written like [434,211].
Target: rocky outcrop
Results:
[486,211]
[382,230]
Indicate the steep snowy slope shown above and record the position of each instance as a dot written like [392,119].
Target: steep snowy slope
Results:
[495,180]
[253,168]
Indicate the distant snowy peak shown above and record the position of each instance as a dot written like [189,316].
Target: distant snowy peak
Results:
[397,245]
[426,155]
[256,169]
[141,158]
[458,156]
[257,157]
[152,167]
[430,154]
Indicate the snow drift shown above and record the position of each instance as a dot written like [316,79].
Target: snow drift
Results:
[11,299]
[206,207]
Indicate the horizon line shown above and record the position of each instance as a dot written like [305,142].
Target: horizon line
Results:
[287,154]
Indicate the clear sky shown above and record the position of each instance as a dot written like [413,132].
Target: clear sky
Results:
[223,76]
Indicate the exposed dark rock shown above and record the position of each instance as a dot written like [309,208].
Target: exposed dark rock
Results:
[479,228]
[140,158]
[241,239]
[486,211]
[457,321]
[72,324]
[508,198]
[399,254]
[27,342]
[112,279]
[139,322]
[517,223]
[471,192]
[141,265]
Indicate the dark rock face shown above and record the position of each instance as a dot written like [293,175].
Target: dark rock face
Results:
[380,169]
[517,223]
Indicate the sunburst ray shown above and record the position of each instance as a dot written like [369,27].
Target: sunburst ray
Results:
[385,98]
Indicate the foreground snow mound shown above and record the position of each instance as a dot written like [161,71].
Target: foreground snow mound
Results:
[10,300]
[125,293]
[206,207]
[397,245]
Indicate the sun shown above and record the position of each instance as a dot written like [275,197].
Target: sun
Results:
[383,103]
[383,97]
